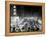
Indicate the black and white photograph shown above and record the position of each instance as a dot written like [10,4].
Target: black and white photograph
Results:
[25,18]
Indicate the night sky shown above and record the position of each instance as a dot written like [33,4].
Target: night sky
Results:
[26,11]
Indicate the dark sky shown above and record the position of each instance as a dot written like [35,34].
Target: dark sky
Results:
[27,10]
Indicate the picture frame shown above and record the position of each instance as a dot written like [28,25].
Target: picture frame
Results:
[7,17]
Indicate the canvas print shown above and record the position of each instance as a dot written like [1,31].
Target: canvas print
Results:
[25,18]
